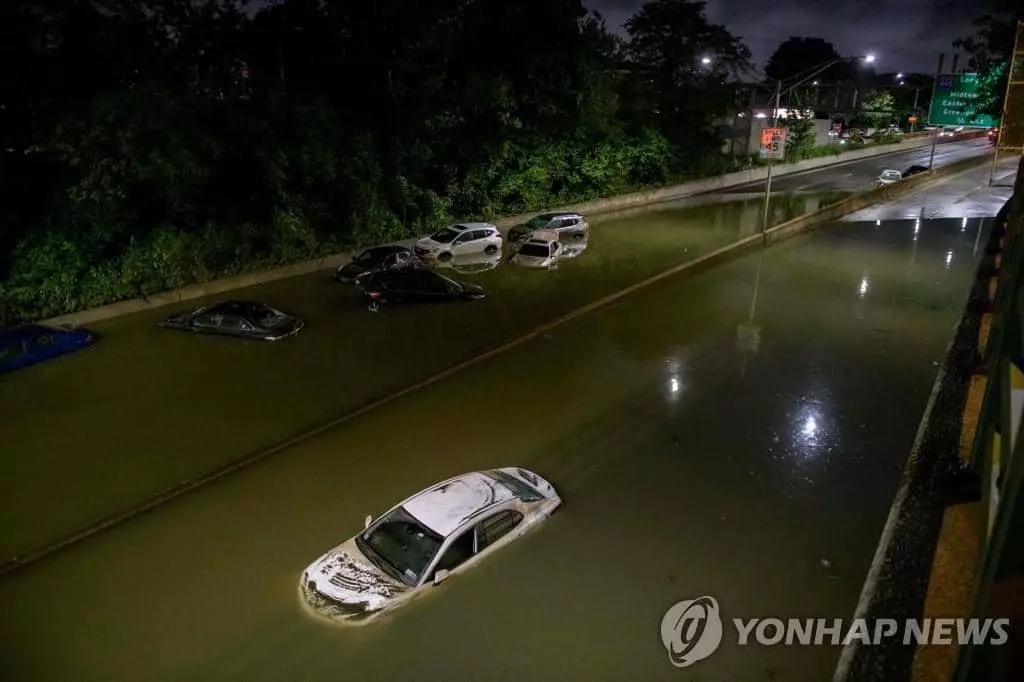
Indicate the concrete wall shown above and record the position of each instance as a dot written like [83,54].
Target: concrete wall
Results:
[617,203]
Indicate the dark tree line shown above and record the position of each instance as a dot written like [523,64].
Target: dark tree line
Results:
[154,143]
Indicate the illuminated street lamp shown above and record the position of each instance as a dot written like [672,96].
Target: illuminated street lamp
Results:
[705,60]
[868,59]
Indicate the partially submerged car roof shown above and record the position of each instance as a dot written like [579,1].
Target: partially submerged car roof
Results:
[12,334]
[241,308]
[444,507]
[543,236]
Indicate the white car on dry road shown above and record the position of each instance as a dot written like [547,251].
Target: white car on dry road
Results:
[460,240]
[421,542]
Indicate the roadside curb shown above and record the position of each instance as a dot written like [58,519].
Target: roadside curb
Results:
[598,206]
[778,233]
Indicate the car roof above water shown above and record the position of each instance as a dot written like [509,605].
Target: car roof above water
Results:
[473,226]
[445,506]
[240,308]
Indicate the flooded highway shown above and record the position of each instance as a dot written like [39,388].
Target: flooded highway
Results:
[92,434]
[737,433]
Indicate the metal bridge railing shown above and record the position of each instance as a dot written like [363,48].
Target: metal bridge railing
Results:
[997,453]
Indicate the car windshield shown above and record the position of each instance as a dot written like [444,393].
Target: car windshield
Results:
[267,318]
[400,545]
[445,236]
[538,250]
[539,221]
[519,489]
[891,175]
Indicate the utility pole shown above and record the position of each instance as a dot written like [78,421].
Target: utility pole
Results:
[917,91]
[771,163]
[935,137]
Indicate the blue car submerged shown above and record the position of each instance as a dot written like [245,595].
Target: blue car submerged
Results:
[24,346]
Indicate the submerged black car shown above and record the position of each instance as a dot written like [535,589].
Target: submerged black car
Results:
[237,318]
[378,258]
[417,286]
[914,170]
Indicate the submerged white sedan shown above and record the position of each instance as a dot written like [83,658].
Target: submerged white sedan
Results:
[421,542]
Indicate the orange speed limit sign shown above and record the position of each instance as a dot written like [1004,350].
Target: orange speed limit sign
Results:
[773,143]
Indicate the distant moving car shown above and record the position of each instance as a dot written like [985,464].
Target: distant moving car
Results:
[914,170]
[889,176]
[237,318]
[32,344]
[389,257]
[559,221]
[470,263]
[418,544]
[541,250]
[411,286]
[459,240]
[947,132]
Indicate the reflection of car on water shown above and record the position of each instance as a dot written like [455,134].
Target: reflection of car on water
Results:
[470,263]
[416,545]
[390,257]
[412,286]
[573,248]
[458,240]
[30,345]
[237,318]
[559,221]
[541,250]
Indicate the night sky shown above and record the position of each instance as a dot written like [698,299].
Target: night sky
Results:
[907,35]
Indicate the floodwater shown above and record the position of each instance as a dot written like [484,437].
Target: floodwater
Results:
[90,435]
[738,433]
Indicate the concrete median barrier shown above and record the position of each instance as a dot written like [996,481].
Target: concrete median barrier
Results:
[597,206]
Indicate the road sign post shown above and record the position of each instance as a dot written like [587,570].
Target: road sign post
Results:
[773,146]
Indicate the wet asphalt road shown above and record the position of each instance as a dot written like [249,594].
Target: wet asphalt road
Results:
[858,175]
[689,465]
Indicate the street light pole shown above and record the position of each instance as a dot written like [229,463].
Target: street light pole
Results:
[814,71]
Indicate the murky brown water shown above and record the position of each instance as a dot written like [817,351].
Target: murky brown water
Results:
[687,467]
[91,434]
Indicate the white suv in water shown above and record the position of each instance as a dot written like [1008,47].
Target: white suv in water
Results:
[460,240]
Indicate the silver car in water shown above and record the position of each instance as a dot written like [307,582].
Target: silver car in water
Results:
[421,542]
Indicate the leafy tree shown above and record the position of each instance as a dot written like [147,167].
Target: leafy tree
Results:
[990,49]
[800,137]
[668,42]
[878,107]
[796,56]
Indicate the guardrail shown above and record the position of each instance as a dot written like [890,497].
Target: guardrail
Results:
[996,457]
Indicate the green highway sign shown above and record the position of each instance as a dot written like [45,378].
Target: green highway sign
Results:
[955,102]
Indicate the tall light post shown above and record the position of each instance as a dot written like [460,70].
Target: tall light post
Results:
[777,97]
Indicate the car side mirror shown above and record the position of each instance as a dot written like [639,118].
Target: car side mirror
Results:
[367,521]
[441,576]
